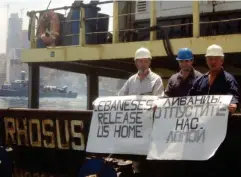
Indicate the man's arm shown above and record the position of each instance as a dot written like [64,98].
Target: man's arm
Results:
[125,89]
[158,89]
[194,90]
[234,90]
[168,90]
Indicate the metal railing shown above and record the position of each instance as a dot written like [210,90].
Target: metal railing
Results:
[116,15]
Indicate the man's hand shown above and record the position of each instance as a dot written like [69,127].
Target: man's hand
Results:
[232,108]
[154,107]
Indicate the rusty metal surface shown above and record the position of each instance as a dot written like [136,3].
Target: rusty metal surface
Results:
[52,143]
[45,141]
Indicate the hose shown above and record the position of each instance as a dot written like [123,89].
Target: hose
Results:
[128,35]
[165,38]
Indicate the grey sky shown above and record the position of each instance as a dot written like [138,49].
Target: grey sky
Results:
[28,5]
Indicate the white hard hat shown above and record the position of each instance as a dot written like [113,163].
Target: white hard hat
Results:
[214,50]
[142,53]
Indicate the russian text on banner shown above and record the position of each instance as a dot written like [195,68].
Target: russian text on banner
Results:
[121,125]
[189,128]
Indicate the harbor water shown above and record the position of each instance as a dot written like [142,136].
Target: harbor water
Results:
[78,103]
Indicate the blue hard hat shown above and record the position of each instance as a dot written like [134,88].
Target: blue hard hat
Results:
[184,54]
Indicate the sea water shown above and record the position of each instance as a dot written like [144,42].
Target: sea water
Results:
[78,103]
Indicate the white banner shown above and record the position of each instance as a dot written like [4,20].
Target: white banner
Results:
[121,125]
[189,128]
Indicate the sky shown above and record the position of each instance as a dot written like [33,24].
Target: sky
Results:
[15,6]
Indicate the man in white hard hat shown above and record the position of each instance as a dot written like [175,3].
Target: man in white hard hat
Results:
[144,82]
[217,80]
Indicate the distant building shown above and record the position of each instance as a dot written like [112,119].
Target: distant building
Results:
[2,56]
[17,39]
[2,63]
[2,68]
[15,54]
[25,43]
[14,32]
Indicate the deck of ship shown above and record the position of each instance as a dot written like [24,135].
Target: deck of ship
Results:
[116,59]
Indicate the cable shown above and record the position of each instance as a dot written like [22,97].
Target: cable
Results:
[165,38]
[128,35]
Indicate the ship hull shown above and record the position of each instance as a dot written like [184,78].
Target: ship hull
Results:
[16,93]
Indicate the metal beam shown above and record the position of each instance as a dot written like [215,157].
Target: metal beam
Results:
[68,7]
[32,31]
[196,19]
[82,39]
[115,36]
[126,50]
[153,19]
[113,65]
[33,86]
[80,68]
[92,89]
[33,82]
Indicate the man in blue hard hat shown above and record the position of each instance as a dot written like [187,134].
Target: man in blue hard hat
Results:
[180,83]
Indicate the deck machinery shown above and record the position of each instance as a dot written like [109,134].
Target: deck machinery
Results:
[161,26]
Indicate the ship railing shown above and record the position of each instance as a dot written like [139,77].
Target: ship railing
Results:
[35,15]
[116,31]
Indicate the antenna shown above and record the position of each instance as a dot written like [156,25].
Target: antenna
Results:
[21,13]
[49,4]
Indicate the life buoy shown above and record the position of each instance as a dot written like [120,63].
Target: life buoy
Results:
[49,28]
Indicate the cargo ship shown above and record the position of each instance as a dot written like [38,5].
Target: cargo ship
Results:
[161,26]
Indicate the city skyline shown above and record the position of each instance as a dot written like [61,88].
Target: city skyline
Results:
[22,6]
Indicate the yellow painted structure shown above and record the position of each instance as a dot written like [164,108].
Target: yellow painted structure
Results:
[127,50]
[117,50]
